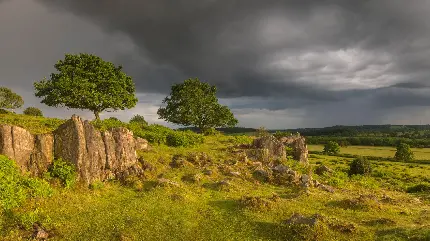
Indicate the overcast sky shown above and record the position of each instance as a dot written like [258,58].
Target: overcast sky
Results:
[276,63]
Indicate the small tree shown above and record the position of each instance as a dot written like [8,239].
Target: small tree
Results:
[138,119]
[404,153]
[360,166]
[33,111]
[9,99]
[331,148]
[86,81]
[193,103]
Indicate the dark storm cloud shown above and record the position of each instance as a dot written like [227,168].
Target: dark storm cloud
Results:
[232,43]
[319,62]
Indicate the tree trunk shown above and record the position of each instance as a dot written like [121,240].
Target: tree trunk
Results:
[97,114]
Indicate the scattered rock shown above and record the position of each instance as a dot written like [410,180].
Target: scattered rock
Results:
[146,166]
[207,172]
[141,144]
[300,219]
[300,149]
[273,146]
[320,170]
[193,178]
[178,161]
[280,168]
[326,188]
[39,233]
[261,175]
[199,158]
[258,203]
[234,174]
[163,182]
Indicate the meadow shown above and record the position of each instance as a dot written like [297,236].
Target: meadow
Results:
[378,151]
[386,205]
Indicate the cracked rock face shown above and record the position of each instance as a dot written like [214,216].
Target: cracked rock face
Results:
[32,153]
[96,155]
[300,149]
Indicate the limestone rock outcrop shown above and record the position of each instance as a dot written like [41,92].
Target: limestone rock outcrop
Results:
[96,155]
[32,153]
[300,149]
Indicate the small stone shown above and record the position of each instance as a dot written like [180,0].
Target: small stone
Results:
[320,170]
[39,232]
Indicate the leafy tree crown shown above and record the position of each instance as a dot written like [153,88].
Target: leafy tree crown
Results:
[404,153]
[138,119]
[85,81]
[331,148]
[194,103]
[33,111]
[9,99]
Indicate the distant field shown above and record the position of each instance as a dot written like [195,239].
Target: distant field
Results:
[420,153]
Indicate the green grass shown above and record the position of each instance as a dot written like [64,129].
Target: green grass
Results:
[34,124]
[420,153]
[202,211]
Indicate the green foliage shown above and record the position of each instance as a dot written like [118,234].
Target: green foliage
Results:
[33,111]
[242,140]
[280,134]
[15,188]
[139,119]
[183,138]
[37,187]
[34,124]
[9,99]
[404,153]
[360,166]
[12,193]
[193,103]
[108,124]
[62,170]
[85,81]
[422,187]
[331,148]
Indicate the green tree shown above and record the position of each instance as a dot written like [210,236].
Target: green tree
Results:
[360,166]
[331,148]
[10,99]
[138,119]
[33,111]
[85,81]
[404,153]
[194,103]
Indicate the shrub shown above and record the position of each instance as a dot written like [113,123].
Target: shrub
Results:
[15,188]
[108,124]
[12,193]
[183,138]
[422,187]
[331,148]
[360,166]
[138,119]
[242,140]
[404,153]
[33,111]
[62,170]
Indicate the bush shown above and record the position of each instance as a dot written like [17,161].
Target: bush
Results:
[360,166]
[138,119]
[331,148]
[15,188]
[108,124]
[12,193]
[422,187]
[62,170]
[404,153]
[183,138]
[33,111]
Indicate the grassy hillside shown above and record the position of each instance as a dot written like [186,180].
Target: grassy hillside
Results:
[380,151]
[386,205]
